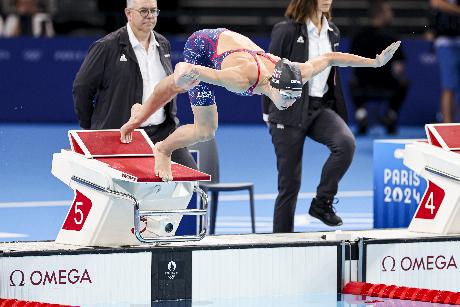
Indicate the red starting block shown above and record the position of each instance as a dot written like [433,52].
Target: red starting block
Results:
[438,161]
[111,180]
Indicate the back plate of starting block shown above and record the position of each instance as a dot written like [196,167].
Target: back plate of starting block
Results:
[106,143]
[444,135]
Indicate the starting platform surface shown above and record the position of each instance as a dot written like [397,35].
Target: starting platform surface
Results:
[135,159]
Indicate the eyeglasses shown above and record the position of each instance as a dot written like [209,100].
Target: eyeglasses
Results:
[144,12]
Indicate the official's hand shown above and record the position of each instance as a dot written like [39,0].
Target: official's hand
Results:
[186,76]
[386,55]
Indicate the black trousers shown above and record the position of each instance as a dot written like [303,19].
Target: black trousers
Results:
[326,127]
[160,132]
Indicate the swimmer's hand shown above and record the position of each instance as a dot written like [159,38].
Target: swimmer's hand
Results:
[126,131]
[386,55]
[186,76]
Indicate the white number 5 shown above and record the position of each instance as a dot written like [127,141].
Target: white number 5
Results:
[78,212]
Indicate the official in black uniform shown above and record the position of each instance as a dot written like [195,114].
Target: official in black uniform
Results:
[320,114]
[122,69]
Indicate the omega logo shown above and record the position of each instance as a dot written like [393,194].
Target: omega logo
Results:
[424,263]
[59,277]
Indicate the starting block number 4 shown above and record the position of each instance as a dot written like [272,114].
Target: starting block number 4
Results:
[78,213]
[431,202]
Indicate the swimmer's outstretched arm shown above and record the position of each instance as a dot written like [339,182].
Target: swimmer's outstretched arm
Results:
[164,91]
[313,67]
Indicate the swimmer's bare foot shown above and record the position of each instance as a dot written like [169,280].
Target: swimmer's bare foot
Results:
[162,164]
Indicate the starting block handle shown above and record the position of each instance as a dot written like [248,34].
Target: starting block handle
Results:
[201,213]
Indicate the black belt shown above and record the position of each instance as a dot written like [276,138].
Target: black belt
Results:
[151,128]
[315,102]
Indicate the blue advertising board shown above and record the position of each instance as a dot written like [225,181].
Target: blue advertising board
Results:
[397,189]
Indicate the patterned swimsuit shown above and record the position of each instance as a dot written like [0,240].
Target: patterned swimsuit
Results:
[201,49]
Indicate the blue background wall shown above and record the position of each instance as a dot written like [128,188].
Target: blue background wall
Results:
[36,78]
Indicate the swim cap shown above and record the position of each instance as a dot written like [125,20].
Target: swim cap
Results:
[286,76]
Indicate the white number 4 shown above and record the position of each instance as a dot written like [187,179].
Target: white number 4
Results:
[78,212]
[429,203]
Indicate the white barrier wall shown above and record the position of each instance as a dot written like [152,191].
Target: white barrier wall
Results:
[78,279]
[232,268]
[420,264]
[259,272]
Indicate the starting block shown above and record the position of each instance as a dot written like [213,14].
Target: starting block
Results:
[437,160]
[118,199]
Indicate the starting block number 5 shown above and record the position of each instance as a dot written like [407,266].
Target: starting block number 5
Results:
[78,213]
[431,202]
